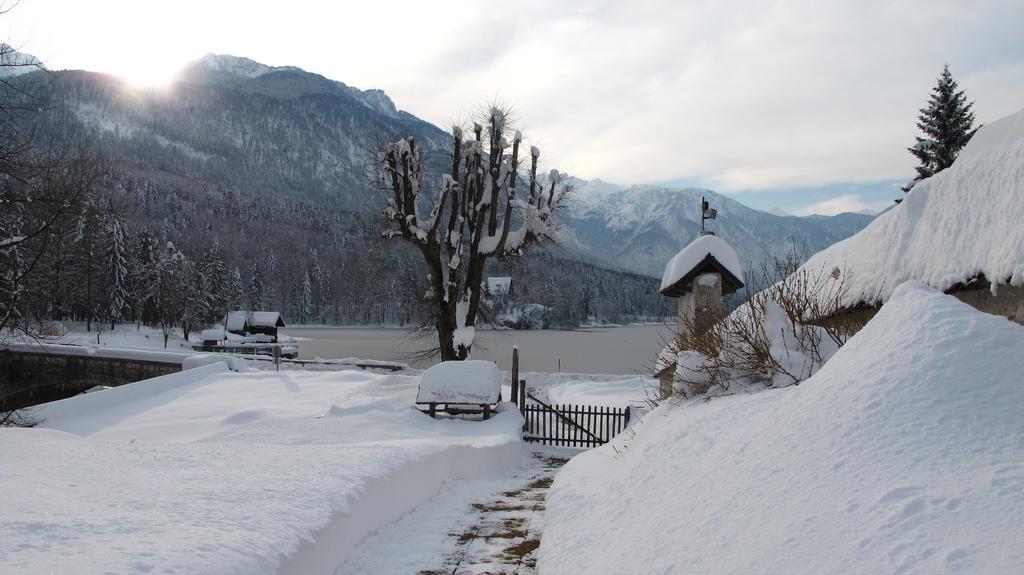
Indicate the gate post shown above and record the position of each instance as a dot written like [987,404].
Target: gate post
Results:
[515,375]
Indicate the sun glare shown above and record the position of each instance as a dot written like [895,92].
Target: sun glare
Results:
[143,71]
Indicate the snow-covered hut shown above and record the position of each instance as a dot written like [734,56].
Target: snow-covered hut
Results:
[246,323]
[699,275]
[265,323]
[237,322]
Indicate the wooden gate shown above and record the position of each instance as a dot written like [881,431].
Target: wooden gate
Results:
[572,425]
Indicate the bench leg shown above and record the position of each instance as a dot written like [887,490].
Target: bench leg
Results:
[487,412]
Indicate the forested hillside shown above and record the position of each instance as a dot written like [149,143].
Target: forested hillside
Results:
[250,188]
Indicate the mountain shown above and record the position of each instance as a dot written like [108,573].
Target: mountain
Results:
[230,121]
[273,165]
[15,63]
[640,228]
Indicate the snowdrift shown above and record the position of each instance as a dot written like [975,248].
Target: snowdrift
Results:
[209,471]
[962,222]
[903,454]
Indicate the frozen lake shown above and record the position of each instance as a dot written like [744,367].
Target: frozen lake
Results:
[616,350]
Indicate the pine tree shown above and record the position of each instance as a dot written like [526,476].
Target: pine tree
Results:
[947,123]
[256,293]
[117,270]
[306,301]
[215,289]
[235,292]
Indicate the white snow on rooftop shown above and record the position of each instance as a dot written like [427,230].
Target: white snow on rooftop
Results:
[264,318]
[686,260]
[961,222]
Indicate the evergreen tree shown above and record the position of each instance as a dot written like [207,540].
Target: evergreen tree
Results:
[235,292]
[947,124]
[306,299]
[256,292]
[215,289]
[117,270]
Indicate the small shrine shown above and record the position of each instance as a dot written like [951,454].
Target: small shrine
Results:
[700,276]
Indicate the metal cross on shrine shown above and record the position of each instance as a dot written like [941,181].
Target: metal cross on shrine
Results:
[706,213]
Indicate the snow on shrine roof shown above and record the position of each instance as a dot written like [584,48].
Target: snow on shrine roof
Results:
[695,256]
[963,222]
[468,382]
[266,319]
[499,285]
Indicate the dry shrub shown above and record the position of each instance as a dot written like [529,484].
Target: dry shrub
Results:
[778,336]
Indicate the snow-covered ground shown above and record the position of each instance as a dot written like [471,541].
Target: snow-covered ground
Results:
[903,454]
[212,471]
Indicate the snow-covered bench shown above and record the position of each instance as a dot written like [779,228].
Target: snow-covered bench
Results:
[460,387]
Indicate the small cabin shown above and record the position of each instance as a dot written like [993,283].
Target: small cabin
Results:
[265,323]
[247,323]
[498,287]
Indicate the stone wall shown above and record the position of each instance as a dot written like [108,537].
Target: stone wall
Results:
[31,378]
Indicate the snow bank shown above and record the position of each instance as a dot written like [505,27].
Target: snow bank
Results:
[903,454]
[230,472]
[961,222]
[694,253]
[470,381]
[111,352]
[633,392]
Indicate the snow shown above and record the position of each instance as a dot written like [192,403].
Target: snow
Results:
[142,354]
[208,471]
[962,222]
[264,318]
[470,381]
[694,253]
[903,454]
[212,335]
[237,321]
[633,392]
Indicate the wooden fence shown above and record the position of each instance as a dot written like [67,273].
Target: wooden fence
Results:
[573,425]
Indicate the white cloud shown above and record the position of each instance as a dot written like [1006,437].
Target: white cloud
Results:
[845,203]
[738,95]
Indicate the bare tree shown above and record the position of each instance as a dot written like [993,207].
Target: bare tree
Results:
[478,213]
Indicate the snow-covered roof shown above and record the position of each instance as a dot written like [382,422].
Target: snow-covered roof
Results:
[468,382]
[266,319]
[499,286]
[960,223]
[706,253]
[237,321]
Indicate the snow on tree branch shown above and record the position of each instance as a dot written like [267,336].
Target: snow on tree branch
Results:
[478,213]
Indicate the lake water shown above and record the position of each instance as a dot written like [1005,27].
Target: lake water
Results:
[629,349]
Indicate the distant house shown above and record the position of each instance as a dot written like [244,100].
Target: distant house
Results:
[498,287]
[265,323]
[246,323]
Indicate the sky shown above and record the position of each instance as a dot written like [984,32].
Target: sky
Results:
[807,105]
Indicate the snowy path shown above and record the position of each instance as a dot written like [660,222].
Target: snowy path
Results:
[471,527]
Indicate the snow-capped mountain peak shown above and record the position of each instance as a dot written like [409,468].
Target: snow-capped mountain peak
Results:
[237,65]
[15,63]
